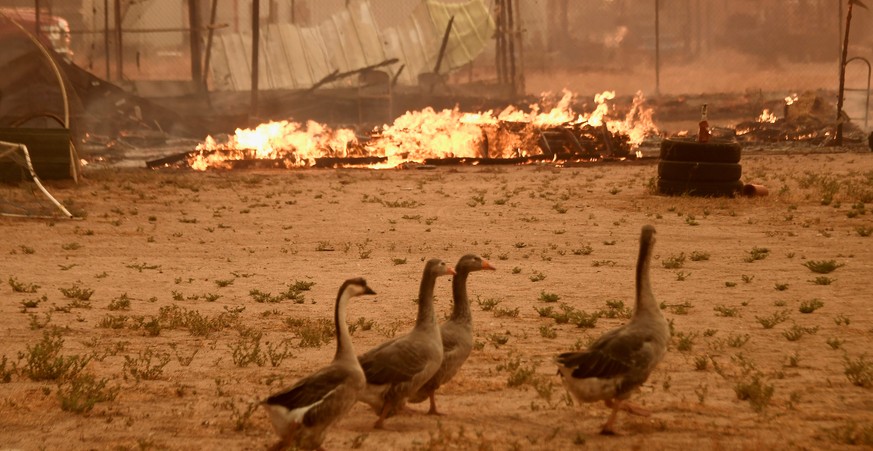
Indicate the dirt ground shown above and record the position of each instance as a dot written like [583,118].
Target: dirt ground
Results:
[187,317]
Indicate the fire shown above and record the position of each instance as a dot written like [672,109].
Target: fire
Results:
[419,135]
[791,99]
[767,116]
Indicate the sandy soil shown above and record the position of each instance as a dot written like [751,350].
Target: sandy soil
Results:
[183,246]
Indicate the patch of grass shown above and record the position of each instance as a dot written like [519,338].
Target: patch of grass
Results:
[120,303]
[537,276]
[487,304]
[796,332]
[247,349]
[835,343]
[547,331]
[811,306]
[859,371]
[737,341]
[841,319]
[747,278]
[730,284]
[755,390]
[852,433]
[701,363]
[77,293]
[757,253]
[584,250]
[823,266]
[147,365]
[43,361]
[781,286]
[684,341]
[312,333]
[615,309]
[81,393]
[725,311]
[502,312]
[768,322]
[549,297]
[22,287]
[823,280]
[698,256]
[864,231]
[674,261]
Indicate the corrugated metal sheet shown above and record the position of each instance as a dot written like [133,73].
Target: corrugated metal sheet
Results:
[293,57]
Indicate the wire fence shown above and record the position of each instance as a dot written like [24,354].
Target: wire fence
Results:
[656,46]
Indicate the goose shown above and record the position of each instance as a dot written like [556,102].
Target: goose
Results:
[456,332]
[301,414]
[397,368]
[621,360]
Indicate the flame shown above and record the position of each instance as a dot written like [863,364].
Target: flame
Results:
[419,135]
[791,99]
[766,116]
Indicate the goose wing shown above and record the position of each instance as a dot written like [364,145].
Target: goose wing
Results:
[395,363]
[615,354]
[311,390]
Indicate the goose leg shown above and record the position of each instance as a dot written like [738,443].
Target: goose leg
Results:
[635,409]
[607,428]
[382,415]
[433,409]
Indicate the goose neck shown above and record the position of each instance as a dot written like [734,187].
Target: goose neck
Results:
[461,303]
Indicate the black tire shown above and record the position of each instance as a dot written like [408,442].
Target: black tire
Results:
[703,189]
[715,151]
[684,171]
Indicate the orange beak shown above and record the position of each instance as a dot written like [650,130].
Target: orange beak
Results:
[450,271]
[487,265]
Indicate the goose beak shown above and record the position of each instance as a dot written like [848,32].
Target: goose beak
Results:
[368,290]
[450,271]
[487,265]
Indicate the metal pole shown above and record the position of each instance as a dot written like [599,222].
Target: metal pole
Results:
[520,87]
[106,38]
[212,17]
[119,46]
[256,32]
[196,51]
[657,47]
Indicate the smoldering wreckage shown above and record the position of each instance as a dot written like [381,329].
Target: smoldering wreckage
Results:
[442,125]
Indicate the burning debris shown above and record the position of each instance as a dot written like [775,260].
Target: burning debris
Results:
[428,136]
[805,117]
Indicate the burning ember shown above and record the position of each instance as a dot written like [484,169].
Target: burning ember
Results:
[420,136]
[767,116]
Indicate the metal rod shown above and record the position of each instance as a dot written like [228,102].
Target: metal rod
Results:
[196,50]
[212,16]
[867,102]
[119,46]
[518,31]
[500,43]
[256,33]
[152,30]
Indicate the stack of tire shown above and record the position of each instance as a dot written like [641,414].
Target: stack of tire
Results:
[710,169]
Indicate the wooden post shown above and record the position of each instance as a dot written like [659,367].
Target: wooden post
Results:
[36,10]
[501,78]
[518,33]
[838,139]
[106,38]
[212,17]
[119,46]
[194,36]
[256,32]
[657,47]
[510,30]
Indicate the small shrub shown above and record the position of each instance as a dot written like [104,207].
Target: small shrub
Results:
[822,280]
[859,371]
[43,361]
[120,303]
[754,390]
[547,331]
[488,304]
[823,266]
[685,341]
[674,261]
[757,253]
[312,333]
[147,365]
[796,332]
[768,322]
[80,394]
[725,311]
[549,297]
[247,349]
[21,287]
[811,306]
[77,293]
[698,256]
